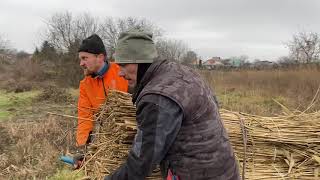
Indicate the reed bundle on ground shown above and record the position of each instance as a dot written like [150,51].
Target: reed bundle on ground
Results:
[282,147]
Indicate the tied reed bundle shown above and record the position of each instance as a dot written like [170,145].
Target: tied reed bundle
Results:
[282,147]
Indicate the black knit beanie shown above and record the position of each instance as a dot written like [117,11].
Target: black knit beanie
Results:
[93,44]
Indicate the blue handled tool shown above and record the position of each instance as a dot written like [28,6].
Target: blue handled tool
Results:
[67,159]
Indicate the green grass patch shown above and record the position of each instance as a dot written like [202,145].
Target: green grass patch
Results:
[66,174]
[4,114]
[251,102]
[12,102]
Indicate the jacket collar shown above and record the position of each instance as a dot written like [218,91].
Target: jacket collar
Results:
[102,71]
[147,78]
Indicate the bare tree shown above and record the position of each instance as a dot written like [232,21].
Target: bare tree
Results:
[239,61]
[22,55]
[46,55]
[64,31]
[189,57]
[285,60]
[305,47]
[171,49]
[4,45]
[111,28]
[243,59]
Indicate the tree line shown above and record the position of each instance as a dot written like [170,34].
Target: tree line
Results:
[64,31]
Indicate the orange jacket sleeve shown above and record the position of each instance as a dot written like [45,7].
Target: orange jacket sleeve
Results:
[85,113]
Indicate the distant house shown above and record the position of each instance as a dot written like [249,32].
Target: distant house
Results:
[235,62]
[216,58]
[213,63]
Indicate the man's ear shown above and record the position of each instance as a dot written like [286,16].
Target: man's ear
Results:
[101,57]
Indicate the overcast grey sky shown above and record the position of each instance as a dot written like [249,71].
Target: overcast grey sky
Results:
[258,28]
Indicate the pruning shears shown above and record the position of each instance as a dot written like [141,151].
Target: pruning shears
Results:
[76,161]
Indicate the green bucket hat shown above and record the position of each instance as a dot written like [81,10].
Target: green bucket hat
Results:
[134,47]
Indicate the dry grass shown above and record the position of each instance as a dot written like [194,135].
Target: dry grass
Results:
[55,94]
[24,75]
[253,91]
[32,141]
[33,148]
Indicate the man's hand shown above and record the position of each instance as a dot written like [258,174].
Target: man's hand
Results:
[75,161]
[79,157]
[78,160]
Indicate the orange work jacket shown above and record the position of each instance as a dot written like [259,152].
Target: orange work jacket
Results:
[93,92]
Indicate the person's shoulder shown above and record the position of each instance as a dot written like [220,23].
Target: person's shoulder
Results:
[114,69]
[86,80]
[157,99]
[160,101]
[114,66]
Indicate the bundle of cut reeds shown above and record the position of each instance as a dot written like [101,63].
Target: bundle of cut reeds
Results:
[113,137]
[282,147]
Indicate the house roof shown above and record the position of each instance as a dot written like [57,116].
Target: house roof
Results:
[213,62]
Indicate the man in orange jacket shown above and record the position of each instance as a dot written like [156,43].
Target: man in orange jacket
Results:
[100,76]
